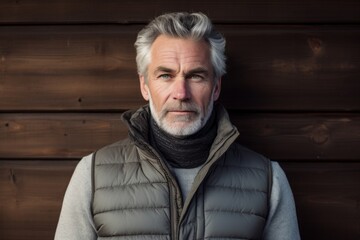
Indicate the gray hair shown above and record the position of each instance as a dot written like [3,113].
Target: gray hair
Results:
[195,26]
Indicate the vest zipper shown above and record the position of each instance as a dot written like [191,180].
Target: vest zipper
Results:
[173,189]
[173,214]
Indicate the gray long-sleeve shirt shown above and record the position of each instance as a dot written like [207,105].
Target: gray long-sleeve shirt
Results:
[76,222]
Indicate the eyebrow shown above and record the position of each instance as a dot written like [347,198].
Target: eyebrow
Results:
[197,70]
[163,69]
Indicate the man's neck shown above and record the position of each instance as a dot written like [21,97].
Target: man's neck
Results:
[186,152]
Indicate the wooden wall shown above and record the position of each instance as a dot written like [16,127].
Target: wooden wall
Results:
[67,72]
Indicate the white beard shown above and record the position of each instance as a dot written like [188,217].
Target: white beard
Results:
[191,125]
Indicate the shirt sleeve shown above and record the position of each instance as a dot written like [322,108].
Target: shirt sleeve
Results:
[75,221]
[282,220]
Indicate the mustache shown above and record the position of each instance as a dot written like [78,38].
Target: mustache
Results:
[181,106]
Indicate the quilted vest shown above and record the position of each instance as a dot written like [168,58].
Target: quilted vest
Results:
[135,196]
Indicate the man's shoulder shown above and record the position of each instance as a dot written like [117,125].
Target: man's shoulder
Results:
[115,151]
[243,151]
[243,155]
[118,144]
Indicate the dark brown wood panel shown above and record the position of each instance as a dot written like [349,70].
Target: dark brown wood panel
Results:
[78,68]
[301,136]
[57,68]
[67,72]
[31,194]
[57,135]
[128,11]
[327,198]
[278,136]
[293,68]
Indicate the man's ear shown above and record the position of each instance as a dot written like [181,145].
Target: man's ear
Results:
[144,88]
[217,89]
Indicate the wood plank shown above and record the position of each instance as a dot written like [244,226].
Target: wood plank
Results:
[327,199]
[287,68]
[286,137]
[57,135]
[31,193]
[293,68]
[128,11]
[58,68]
[291,137]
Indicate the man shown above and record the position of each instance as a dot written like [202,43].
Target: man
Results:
[180,174]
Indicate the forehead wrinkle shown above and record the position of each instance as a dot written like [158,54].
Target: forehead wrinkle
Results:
[180,56]
[177,58]
[168,56]
[162,69]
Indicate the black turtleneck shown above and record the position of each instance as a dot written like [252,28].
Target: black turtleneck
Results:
[187,151]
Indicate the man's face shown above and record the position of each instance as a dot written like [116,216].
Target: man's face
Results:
[180,86]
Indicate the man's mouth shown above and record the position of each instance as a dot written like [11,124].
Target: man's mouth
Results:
[181,111]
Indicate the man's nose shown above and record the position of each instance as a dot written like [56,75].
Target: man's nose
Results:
[181,90]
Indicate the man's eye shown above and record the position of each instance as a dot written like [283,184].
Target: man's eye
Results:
[196,77]
[164,76]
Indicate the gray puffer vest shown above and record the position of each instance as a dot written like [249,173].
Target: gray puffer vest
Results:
[135,196]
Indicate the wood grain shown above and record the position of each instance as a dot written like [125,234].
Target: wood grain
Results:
[58,68]
[301,136]
[327,198]
[57,135]
[282,68]
[31,195]
[128,11]
[67,72]
[278,136]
